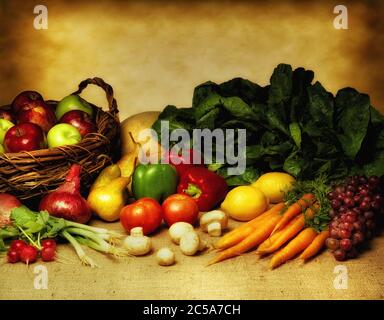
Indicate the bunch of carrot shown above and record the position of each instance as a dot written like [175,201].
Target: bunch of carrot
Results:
[272,230]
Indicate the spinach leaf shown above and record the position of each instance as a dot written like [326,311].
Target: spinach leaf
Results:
[301,79]
[294,164]
[320,106]
[250,175]
[250,93]
[291,124]
[279,93]
[281,85]
[294,129]
[352,120]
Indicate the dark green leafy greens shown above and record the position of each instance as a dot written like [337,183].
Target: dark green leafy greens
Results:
[292,125]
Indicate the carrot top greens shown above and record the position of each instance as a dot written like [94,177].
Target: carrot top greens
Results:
[319,188]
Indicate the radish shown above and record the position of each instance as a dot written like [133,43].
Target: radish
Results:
[17,245]
[13,256]
[66,201]
[48,243]
[28,254]
[48,254]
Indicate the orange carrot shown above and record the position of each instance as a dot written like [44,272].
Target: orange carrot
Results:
[315,246]
[267,243]
[291,230]
[294,247]
[295,209]
[236,235]
[259,234]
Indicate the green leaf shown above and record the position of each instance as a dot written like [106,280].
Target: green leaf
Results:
[301,79]
[352,120]
[22,215]
[7,232]
[54,227]
[249,176]
[214,166]
[376,167]
[248,91]
[320,106]
[294,129]
[280,92]
[294,164]
[377,118]
[281,84]
[202,92]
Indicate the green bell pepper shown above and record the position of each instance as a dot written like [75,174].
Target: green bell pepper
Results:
[156,181]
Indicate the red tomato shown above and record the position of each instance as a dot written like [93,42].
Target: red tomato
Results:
[180,207]
[145,213]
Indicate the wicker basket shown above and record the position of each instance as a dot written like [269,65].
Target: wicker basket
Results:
[28,175]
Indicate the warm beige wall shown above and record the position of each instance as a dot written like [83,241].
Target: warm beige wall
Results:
[155,52]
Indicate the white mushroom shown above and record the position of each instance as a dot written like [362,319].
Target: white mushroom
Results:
[136,243]
[214,222]
[165,256]
[189,243]
[177,230]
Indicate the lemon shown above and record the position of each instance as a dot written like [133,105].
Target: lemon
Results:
[274,184]
[244,203]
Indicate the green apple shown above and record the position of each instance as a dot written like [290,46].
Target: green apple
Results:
[63,134]
[2,150]
[73,102]
[4,126]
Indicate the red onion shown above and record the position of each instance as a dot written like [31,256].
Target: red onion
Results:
[7,203]
[66,201]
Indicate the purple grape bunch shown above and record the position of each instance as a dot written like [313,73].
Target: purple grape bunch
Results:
[356,208]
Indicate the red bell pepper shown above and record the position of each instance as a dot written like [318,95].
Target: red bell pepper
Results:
[183,162]
[203,185]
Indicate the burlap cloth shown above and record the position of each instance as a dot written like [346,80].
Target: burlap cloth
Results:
[244,277]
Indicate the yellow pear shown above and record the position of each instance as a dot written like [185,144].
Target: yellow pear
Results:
[127,166]
[106,176]
[128,162]
[108,200]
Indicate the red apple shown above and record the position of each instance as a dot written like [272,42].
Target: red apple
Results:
[38,112]
[7,115]
[29,106]
[80,120]
[24,99]
[24,137]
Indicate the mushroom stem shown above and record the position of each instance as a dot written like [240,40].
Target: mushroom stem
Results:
[214,229]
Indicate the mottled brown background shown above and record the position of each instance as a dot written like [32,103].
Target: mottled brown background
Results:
[155,52]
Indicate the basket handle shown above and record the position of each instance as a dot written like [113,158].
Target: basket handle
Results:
[112,104]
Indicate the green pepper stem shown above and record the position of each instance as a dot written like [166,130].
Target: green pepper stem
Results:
[193,191]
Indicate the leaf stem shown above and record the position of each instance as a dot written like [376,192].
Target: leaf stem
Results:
[37,246]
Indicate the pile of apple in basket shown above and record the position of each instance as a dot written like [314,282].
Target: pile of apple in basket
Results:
[32,124]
